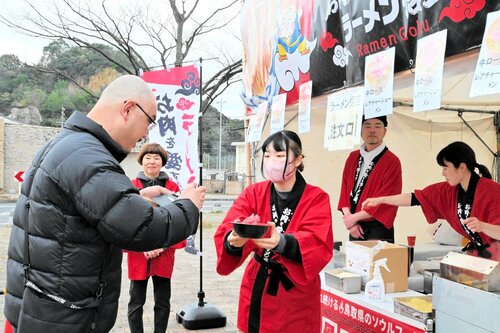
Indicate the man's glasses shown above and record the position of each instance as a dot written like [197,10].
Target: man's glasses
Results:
[152,122]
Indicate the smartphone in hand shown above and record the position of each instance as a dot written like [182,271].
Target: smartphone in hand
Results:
[165,199]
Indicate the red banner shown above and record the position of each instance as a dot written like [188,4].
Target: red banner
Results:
[177,93]
[343,316]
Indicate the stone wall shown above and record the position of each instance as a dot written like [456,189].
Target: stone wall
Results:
[20,144]
[2,156]
[219,186]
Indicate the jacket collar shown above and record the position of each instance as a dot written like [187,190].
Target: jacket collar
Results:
[79,122]
[162,176]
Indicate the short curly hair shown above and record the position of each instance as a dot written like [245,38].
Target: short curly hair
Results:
[153,148]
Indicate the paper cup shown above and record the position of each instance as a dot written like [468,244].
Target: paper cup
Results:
[411,240]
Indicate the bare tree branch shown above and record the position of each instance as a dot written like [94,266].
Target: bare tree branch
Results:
[199,29]
[136,33]
[220,80]
[192,10]
[65,76]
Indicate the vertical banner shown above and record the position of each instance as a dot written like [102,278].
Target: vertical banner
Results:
[305,107]
[278,113]
[379,81]
[256,123]
[177,92]
[343,123]
[429,72]
[486,80]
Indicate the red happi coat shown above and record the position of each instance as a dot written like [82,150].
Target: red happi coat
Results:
[385,179]
[298,309]
[159,266]
[439,201]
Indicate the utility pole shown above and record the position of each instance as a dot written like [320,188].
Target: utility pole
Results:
[221,101]
[62,116]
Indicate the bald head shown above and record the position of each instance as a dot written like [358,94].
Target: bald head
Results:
[124,88]
[121,107]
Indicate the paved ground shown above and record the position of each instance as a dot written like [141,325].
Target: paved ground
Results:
[221,291]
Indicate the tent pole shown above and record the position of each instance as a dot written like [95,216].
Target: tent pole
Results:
[496,122]
[496,155]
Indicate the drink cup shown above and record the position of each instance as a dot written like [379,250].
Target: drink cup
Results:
[411,240]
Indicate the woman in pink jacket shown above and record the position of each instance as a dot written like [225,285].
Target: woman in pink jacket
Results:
[158,263]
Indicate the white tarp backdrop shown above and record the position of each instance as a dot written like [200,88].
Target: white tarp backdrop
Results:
[415,138]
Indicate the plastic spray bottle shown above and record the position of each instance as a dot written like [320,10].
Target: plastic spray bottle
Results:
[375,288]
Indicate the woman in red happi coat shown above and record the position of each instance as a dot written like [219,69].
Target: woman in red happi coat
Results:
[468,201]
[280,289]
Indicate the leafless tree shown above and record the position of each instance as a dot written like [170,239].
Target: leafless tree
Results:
[149,34]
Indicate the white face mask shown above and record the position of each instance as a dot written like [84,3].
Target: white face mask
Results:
[273,171]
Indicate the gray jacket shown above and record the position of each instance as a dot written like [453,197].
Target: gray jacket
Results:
[81,210]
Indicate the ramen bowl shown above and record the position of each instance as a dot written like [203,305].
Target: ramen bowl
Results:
[250,230]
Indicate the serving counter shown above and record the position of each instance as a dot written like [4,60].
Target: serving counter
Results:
[342,313]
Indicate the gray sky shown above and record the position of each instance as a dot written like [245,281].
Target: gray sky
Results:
[29,49]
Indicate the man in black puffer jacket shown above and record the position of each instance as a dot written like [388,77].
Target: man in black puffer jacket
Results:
[76,212]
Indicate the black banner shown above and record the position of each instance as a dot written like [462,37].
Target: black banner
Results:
[356,29]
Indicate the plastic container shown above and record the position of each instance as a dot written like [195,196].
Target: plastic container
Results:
[417,307]
[472,271]
[349,283]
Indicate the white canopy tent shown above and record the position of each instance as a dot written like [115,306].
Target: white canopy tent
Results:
[415,137]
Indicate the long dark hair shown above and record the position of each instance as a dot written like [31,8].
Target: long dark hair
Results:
[283,141]
[460,152]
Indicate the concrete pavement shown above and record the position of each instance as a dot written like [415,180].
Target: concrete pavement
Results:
[221,291]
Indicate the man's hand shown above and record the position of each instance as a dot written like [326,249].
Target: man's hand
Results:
[356,231]
[195,194]
[154,191]
[272,241]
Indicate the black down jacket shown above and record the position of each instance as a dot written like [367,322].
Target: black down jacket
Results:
[81,210]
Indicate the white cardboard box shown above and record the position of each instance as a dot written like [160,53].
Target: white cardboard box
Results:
[360,255]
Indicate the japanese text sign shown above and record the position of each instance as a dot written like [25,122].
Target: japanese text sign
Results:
[379,82]
[343,119]
[342,315]
[256,123]
[177,92]
[429,72]
[486,80]
[278,113]
[305,107]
